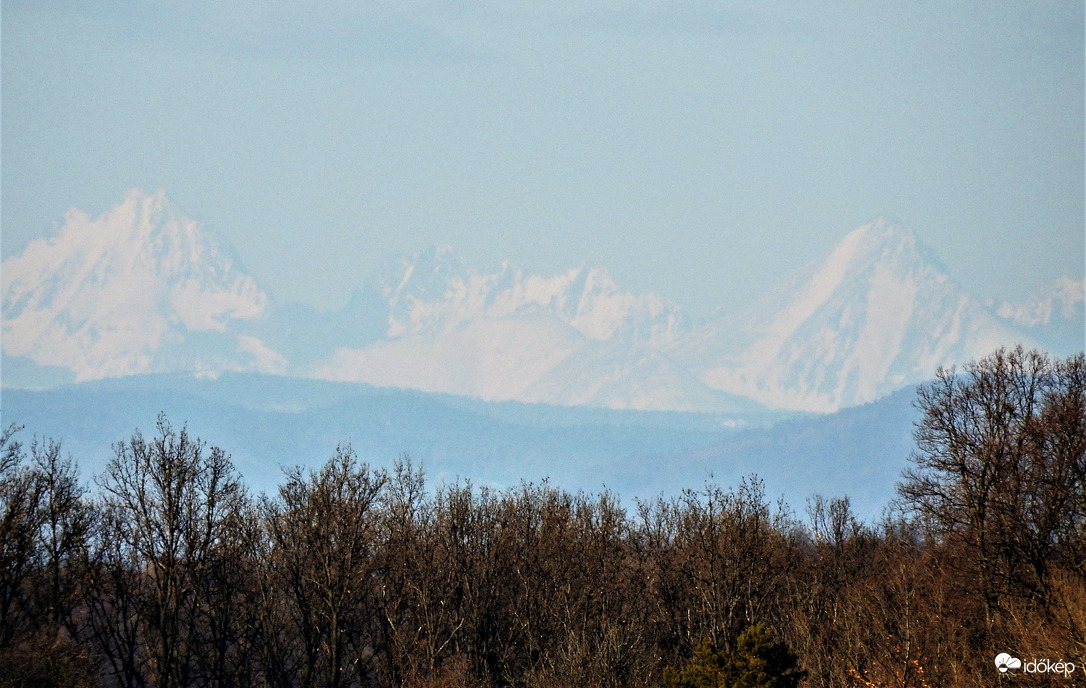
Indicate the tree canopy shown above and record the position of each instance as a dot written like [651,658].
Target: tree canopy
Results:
[168,572]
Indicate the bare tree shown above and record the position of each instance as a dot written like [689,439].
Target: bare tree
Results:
[21,518]
[168,505]
[43,525]
[999,467]
[324,530]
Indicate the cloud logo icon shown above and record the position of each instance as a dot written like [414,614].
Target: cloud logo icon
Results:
[1004,661]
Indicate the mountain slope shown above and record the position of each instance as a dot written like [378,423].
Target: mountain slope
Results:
[876,314]
[142,288]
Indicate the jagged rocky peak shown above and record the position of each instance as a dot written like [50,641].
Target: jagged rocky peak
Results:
[435,290]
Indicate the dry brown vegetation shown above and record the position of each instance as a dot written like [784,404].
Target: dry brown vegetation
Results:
[168,573]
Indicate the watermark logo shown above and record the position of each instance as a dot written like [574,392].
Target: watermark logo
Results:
[1005,662]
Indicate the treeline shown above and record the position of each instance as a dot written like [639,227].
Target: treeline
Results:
[167,572]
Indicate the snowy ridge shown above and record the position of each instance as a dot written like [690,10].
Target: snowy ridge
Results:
[1053,317]
[570,339]
[435,291]
[121,295]
[1062,301]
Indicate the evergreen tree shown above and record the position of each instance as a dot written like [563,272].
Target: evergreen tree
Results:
[756,662]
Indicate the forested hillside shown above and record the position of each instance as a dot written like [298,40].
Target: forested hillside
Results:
[167,571]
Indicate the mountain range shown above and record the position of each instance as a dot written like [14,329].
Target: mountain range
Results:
[144,289]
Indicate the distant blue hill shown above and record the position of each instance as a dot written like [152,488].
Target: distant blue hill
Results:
[268,422]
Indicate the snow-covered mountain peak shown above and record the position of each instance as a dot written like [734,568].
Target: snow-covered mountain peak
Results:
[876,313]
[877,254]
[877,242]
[103,296]
[878,232]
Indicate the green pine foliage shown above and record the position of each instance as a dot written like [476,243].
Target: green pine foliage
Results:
[755,662]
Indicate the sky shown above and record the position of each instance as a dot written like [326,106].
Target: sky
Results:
[700,150]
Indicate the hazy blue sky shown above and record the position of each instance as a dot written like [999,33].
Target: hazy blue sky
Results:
[697,149]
